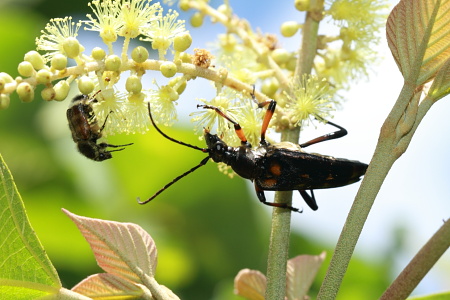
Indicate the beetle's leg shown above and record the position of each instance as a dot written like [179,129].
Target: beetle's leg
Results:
[237,127]
[310,200]
[329,136]
[105,145]
[267,117]
[106,119]
[262,198]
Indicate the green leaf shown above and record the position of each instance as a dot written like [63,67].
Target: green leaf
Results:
[418,34]
[25,270]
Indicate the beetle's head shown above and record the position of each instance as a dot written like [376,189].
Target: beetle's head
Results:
[217,148]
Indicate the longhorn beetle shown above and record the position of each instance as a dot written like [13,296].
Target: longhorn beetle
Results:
[278,167]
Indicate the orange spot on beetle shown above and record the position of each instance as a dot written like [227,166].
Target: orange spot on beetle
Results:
[275,169]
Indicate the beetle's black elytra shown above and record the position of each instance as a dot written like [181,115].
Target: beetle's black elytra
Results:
[85,130]
[278,167]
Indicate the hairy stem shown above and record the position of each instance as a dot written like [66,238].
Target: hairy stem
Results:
[281,218]
[395,135]
[419,266]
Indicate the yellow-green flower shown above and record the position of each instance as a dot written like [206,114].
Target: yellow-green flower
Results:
[162,30]
[367,14]
[136,15]
[310,98]
[250,118]
[107,20]
[56,34]
[209,119]
[163,101]
[137,113]
[111,104]
[239,60]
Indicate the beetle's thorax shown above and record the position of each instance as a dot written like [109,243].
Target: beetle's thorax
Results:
[241,159]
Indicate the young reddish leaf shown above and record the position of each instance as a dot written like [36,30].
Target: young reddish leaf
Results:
[122,249]
[301,271]
[107,286]
[418,34]
[250,284]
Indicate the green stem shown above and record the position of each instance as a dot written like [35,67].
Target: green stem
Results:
[392,143]
[279,239]
[419,266]
[281,218]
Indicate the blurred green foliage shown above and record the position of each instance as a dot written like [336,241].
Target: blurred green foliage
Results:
[206,227]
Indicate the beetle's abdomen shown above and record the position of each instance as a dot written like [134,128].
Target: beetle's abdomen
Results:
[284,169]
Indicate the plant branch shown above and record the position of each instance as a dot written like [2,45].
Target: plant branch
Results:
[420,265]
[281,218]
[395,136]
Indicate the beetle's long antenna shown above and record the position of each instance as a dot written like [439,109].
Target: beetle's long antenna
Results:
[172,139]
[202,163]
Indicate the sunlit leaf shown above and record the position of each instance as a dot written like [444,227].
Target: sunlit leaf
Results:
[123,249]
[301,271]
[25,268]
[108,285]
[250,284]
[441,84]
[418,34]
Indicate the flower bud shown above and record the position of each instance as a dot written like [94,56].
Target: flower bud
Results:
[302,5]
[175,83]
[182,42]
[280,56]
[71,47]
[4,101]
[184,5]
[197,19]
[48,94]
[35,59]
[6,77]
[169,93]
[98,53]
[85,85]
[25,92]
[139,54]
[62,89]
[43,76]
[59,61]
[25,69]
[289,28]
[133,84]
[113,63]
[168,69]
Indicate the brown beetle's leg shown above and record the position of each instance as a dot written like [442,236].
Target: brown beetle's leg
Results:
[237,127]
[310,200]
[262,199]
[326,137]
